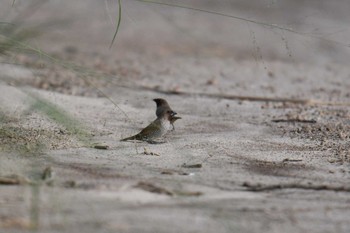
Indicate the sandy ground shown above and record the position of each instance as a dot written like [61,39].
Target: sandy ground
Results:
[263,145]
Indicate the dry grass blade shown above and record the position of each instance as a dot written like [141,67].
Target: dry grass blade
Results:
[10,33]
[317,187]
[243,97]
[263,24]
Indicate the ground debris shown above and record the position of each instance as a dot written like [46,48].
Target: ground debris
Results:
[188,193]
[306,102]
[146,152]
[47,175]
[197,165]
[13,180]
[329,133]
[291,160]
[160,190]
[153,188]
[294,120]
[309,186]
[172,172]
[101,147]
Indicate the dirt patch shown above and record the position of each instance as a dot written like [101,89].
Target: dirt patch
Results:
[283,169]
[33,140]
[328,131]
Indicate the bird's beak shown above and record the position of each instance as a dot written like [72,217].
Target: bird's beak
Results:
[173,113]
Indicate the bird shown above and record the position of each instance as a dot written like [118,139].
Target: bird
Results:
[163,106]
[157,129]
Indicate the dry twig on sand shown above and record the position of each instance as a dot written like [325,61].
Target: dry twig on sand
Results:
[318,187]
[242,97]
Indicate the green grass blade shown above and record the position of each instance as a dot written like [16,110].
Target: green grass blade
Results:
[118,22]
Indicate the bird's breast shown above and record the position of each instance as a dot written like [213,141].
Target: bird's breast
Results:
[166,125]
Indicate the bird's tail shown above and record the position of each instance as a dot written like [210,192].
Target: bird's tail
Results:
[129,138]
[135,137]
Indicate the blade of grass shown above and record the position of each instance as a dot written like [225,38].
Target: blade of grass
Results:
[7,45]
[35,207]
[119,19]
[81,71]
[61,117]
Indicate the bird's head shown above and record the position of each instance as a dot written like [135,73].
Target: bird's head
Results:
[170,115]
[161,102]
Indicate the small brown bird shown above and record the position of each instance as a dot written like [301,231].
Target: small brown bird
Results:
[157,129]
[162,107]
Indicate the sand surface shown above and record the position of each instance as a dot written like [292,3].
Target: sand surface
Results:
[264,140]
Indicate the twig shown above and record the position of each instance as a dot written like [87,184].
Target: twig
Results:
[242,98]
[317,187]
[13,180]
[101,147]
[291,160]
[294,121]
[197,165]
[149,187]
